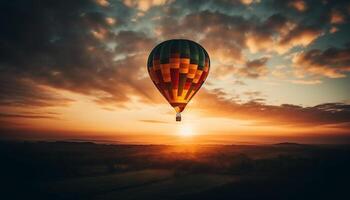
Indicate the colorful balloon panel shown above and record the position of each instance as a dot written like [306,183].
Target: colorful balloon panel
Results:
[178,68]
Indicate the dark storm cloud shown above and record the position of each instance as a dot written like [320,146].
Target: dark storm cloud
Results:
[332,62]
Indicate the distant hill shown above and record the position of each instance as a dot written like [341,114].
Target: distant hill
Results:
[93,141]
[289,144]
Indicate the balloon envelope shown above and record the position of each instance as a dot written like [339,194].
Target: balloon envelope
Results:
[178,68]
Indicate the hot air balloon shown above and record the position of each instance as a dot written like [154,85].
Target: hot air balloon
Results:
[178,68]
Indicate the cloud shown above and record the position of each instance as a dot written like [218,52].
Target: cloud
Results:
[153,121]
[280,34]
[50,45]
[298,36]
[280,72]
[38,116]
[213,104]
[145,5]
[289,36]
[103,3]
[226,36]
[23,93]
[253,94]
[306,82]
[99,33]
[332,62]
[239,82]
[220,34]
[247,2]
[254,68]
[336,17]
[261,39]
[131,42]
[333,29]
[200,5]
[298,5]
[110,20]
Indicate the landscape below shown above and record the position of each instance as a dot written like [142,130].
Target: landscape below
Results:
[85,170]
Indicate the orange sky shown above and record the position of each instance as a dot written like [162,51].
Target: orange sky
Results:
[155,123]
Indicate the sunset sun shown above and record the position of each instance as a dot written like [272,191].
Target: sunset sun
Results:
[185,130]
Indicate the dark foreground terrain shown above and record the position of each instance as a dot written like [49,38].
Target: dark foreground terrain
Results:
[81,170]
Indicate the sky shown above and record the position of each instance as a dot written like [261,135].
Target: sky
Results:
[279,70]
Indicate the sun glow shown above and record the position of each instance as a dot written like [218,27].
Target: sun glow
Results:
[186,130]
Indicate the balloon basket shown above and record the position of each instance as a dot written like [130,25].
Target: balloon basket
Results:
[178,117]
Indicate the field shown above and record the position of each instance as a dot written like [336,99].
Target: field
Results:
[85,170]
